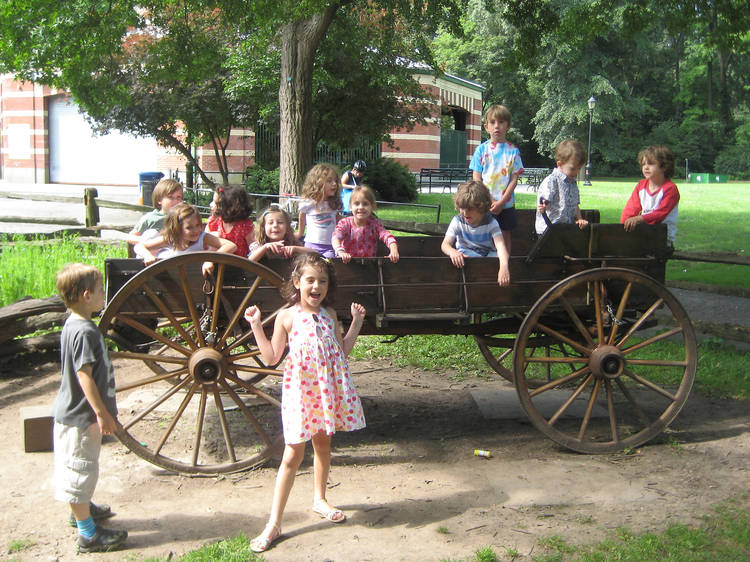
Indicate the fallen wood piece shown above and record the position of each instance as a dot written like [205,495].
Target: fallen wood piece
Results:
[23,326]
[31,307]
[733,332]
[47,342]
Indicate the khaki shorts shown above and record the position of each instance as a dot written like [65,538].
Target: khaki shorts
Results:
[76,462]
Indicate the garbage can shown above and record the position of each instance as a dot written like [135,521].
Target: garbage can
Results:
[146,183]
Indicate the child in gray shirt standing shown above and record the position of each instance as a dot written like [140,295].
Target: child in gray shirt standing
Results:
[85,408]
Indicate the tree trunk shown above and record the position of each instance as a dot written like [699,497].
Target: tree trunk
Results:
[299,42]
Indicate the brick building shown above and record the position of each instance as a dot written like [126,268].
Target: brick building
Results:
[44,139]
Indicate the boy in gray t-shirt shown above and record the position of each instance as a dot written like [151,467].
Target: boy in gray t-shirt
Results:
[85,408]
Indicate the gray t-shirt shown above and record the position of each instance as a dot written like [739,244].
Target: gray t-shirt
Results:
[153,220]
[81,344]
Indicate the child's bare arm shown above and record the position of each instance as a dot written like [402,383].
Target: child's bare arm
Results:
[503,272]
[107,423]
[446,246]
[301,223]
[146,249]
[358,317]
[211,242]
[509,189]
[476,176]
[394,256]
[271,350]
[580,221]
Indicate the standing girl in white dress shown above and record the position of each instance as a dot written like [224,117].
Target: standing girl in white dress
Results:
[318,397]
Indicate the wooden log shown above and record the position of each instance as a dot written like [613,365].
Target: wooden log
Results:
[726,290]
[47,342]
[30,307]
[22,326]
[734,332]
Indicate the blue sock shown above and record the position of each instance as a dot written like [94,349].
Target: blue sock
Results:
[87,527]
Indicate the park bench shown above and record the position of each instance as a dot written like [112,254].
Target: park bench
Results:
[442,177]
[532,177]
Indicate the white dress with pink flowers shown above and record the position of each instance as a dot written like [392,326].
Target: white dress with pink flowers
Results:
[318,393]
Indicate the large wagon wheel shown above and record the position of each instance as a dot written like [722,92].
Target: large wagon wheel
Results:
[625,363]
[199,401]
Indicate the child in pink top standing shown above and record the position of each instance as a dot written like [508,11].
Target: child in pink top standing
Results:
[357,236]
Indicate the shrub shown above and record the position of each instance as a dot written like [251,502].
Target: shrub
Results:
[260,180]
[391,180]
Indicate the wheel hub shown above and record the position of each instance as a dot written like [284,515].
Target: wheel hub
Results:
[607,361]
[207,365]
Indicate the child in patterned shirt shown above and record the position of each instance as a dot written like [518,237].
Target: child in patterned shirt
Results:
[357,236]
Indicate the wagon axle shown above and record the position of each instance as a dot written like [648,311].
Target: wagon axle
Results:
[607,361]
[207,365]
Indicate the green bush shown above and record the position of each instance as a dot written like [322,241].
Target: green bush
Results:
[260,180]
[732,160]
[391,180]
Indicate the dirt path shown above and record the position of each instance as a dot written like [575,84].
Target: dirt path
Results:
[409,474]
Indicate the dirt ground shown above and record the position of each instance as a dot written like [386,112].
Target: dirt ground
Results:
[404,481]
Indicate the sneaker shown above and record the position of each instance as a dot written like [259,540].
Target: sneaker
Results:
[103,541]
[98,513]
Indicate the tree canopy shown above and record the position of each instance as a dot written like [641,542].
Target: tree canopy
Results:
[669,73]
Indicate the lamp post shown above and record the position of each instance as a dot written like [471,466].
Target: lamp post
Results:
[587,177]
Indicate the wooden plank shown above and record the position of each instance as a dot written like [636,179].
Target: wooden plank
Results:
[712,257]
[40,197]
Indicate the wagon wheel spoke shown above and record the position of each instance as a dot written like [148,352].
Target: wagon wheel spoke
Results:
[156,403]
[610,391]
[598,311]
[652,340]
[247,413]
[199,424]
[576,321]
[240,310]
[131,322]
[562,409]
[150,380]
[224,426]
[589,409]
[255,390]
[178,416]
[559,382]
[652,386]
[642,320]
[633,403]
[611,409]
[619,314]
[563,338]
[172,320]
[192,310]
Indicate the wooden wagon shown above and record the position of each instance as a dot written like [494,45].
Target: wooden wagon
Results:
[602,355]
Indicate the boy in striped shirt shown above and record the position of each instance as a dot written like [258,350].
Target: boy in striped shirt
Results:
[474,232]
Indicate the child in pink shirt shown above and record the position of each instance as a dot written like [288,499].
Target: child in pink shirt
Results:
[357,236]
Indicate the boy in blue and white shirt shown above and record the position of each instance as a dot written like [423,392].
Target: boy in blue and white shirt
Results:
[475,232]
[497,163]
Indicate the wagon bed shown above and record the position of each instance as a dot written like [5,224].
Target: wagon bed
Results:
[583,325]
